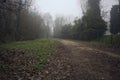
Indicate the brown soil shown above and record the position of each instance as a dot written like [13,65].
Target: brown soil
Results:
[75,61]
[90,63]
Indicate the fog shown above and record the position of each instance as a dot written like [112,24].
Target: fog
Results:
[59,7]
[67,7]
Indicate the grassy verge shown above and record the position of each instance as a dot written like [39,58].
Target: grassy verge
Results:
[41,49]
[106,42]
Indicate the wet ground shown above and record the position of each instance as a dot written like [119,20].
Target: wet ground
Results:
[73,60]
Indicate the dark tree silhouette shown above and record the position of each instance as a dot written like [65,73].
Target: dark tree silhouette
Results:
[115,21]
[115,18]
[90,27]
[94,25]
[17,22]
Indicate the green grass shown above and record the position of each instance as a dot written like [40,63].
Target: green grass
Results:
[42,49]
[105,41]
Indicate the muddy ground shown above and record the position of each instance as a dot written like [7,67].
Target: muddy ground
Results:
[74,61]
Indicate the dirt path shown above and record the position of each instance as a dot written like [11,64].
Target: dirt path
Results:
[88,63]
[71,60]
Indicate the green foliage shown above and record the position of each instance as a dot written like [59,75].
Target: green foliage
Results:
[93,28]
[38,67]
[90,27]
[66,31]
[105,41]
[94,25]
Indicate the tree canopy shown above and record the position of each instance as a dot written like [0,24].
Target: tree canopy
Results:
[90,27]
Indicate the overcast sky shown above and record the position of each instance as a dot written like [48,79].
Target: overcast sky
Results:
[66,7]
[107,5]
[59,7]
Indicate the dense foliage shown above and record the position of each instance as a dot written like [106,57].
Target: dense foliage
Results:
[90,27]
[18,22]
[115,20]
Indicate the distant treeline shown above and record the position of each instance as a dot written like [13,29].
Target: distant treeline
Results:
[18,22]
[91,26]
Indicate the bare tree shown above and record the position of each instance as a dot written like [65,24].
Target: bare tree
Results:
[10,11]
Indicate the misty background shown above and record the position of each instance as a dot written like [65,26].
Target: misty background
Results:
[40,38]
[70,9]
[31,19]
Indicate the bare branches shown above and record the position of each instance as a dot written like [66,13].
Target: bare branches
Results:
[14,6]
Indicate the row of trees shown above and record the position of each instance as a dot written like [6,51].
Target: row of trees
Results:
[90,27]
[19,22]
